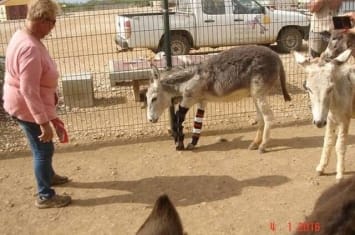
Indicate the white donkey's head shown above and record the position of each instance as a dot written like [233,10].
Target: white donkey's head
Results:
[320,80]
[157,99]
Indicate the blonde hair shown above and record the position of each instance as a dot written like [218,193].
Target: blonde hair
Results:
[42,9]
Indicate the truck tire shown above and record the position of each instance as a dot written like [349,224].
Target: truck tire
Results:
[289,39]
[179,45]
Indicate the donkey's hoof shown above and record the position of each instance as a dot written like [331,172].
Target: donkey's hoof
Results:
[190,146]
[320,170]
[180,147]
[339,177]
[253,146]
[338,180]
[262,150]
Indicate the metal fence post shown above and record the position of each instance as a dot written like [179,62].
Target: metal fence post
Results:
[2,75]
[2,81]
[167,47]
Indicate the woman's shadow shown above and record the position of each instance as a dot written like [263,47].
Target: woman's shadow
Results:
[183,190]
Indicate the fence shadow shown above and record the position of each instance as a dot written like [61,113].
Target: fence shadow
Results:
[275,144]
[117,142]
[183,190]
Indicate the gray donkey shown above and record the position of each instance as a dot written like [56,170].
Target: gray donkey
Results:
[234,73]
[330,88]
[338,43]
[163,220]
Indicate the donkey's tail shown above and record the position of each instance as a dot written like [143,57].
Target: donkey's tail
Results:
[287,97]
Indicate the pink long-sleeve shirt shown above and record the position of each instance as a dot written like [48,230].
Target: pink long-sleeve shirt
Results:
[31,80]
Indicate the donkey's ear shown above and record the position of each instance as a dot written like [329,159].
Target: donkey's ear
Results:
[300,58]
[343,57]
[155,73]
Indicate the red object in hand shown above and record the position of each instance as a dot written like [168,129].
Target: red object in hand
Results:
[56,98]
[60,130]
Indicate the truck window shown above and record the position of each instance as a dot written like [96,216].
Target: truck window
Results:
[239,8]
[246,7]
[213,7]
[183,5]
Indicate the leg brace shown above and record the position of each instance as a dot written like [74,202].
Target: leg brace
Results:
[173,126]
[196,131]
[180,118]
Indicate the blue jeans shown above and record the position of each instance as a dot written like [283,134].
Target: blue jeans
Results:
[42,158]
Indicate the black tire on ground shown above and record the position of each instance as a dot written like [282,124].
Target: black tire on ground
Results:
[289,39]
[179,45]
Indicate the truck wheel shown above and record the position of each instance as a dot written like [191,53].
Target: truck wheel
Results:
[289,39]
[179,45]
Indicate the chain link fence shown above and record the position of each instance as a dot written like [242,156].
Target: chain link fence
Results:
[102,80]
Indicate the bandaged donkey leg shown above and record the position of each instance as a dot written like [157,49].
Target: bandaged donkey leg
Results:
[180,118]
[196,131]
[173,125]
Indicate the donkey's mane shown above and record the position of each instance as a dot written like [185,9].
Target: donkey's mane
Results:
[174,78]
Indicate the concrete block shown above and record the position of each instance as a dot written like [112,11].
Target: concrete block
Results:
[78,90]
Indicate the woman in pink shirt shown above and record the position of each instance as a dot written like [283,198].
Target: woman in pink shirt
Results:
[31,80]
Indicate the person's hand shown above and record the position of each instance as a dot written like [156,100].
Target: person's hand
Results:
[315,5]
[352,30]
[334,4]
[47,132]
[352,15]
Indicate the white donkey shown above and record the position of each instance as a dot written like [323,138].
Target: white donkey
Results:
[234,73]
[330,87]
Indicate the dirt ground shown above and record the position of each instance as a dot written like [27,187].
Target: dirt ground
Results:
[219,188]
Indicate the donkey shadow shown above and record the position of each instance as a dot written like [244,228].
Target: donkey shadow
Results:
[183,190]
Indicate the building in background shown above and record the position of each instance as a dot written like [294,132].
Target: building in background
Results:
[13,9]
[347,6]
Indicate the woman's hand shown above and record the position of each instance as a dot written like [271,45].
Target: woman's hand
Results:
[352,18]
[352,15]
[47,132]
[352,30]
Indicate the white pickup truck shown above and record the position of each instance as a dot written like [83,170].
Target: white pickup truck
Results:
[213,23]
